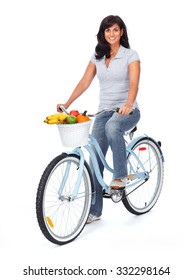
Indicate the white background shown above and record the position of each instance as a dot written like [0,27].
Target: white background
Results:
[45,47]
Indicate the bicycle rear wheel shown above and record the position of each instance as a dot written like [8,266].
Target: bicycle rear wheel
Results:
[143,196]
[60,218]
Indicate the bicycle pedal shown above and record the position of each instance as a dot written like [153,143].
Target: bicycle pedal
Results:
[117,195]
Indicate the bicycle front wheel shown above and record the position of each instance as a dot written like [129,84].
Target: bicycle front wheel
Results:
[61,219]
[140,198]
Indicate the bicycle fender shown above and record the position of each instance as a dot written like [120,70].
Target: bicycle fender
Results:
[141,137]
[134,141]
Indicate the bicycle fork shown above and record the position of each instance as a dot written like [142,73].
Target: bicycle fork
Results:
[78,181]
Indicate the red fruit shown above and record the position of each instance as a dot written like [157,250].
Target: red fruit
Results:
[74,113]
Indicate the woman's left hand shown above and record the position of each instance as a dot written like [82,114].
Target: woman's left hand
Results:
[124,110]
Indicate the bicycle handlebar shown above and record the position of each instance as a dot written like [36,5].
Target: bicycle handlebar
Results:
[92,115]
[102,111]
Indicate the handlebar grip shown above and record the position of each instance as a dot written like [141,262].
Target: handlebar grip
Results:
[63,109]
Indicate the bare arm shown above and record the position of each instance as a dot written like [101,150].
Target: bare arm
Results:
[134,75]
[81,86]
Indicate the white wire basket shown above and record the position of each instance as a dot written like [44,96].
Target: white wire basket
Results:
[74,135]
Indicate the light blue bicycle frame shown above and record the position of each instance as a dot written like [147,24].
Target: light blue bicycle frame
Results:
[141,176]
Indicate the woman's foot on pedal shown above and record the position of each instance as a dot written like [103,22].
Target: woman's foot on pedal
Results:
[119,184]
[92,218]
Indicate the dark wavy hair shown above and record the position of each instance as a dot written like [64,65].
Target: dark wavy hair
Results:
[103,48]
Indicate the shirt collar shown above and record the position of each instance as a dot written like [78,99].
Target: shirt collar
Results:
[120,52]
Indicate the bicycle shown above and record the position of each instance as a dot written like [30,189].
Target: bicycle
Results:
[66,188]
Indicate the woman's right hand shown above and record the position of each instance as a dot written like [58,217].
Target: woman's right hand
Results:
[60,104]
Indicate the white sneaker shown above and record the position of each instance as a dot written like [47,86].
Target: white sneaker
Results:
[92,218]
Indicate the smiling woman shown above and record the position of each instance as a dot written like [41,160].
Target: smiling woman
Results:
[113,36]
[112,33]
[118,70]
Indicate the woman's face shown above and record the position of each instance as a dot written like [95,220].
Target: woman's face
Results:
[113,34]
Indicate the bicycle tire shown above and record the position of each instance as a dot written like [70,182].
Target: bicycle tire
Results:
[62,221]
[142,198]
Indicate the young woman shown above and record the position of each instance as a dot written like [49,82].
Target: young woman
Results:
[118,70]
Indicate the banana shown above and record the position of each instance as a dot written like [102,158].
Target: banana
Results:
[58,118]
[53,121]
[62,117]
[50,117]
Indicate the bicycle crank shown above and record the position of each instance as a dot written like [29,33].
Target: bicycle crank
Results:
[117,195]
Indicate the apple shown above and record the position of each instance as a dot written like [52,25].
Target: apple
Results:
[74,113]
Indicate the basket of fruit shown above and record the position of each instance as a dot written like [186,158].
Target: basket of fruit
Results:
[73,127]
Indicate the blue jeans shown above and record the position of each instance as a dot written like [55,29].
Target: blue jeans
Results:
[108,129]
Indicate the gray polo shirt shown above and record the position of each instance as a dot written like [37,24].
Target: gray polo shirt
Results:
[114,79]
